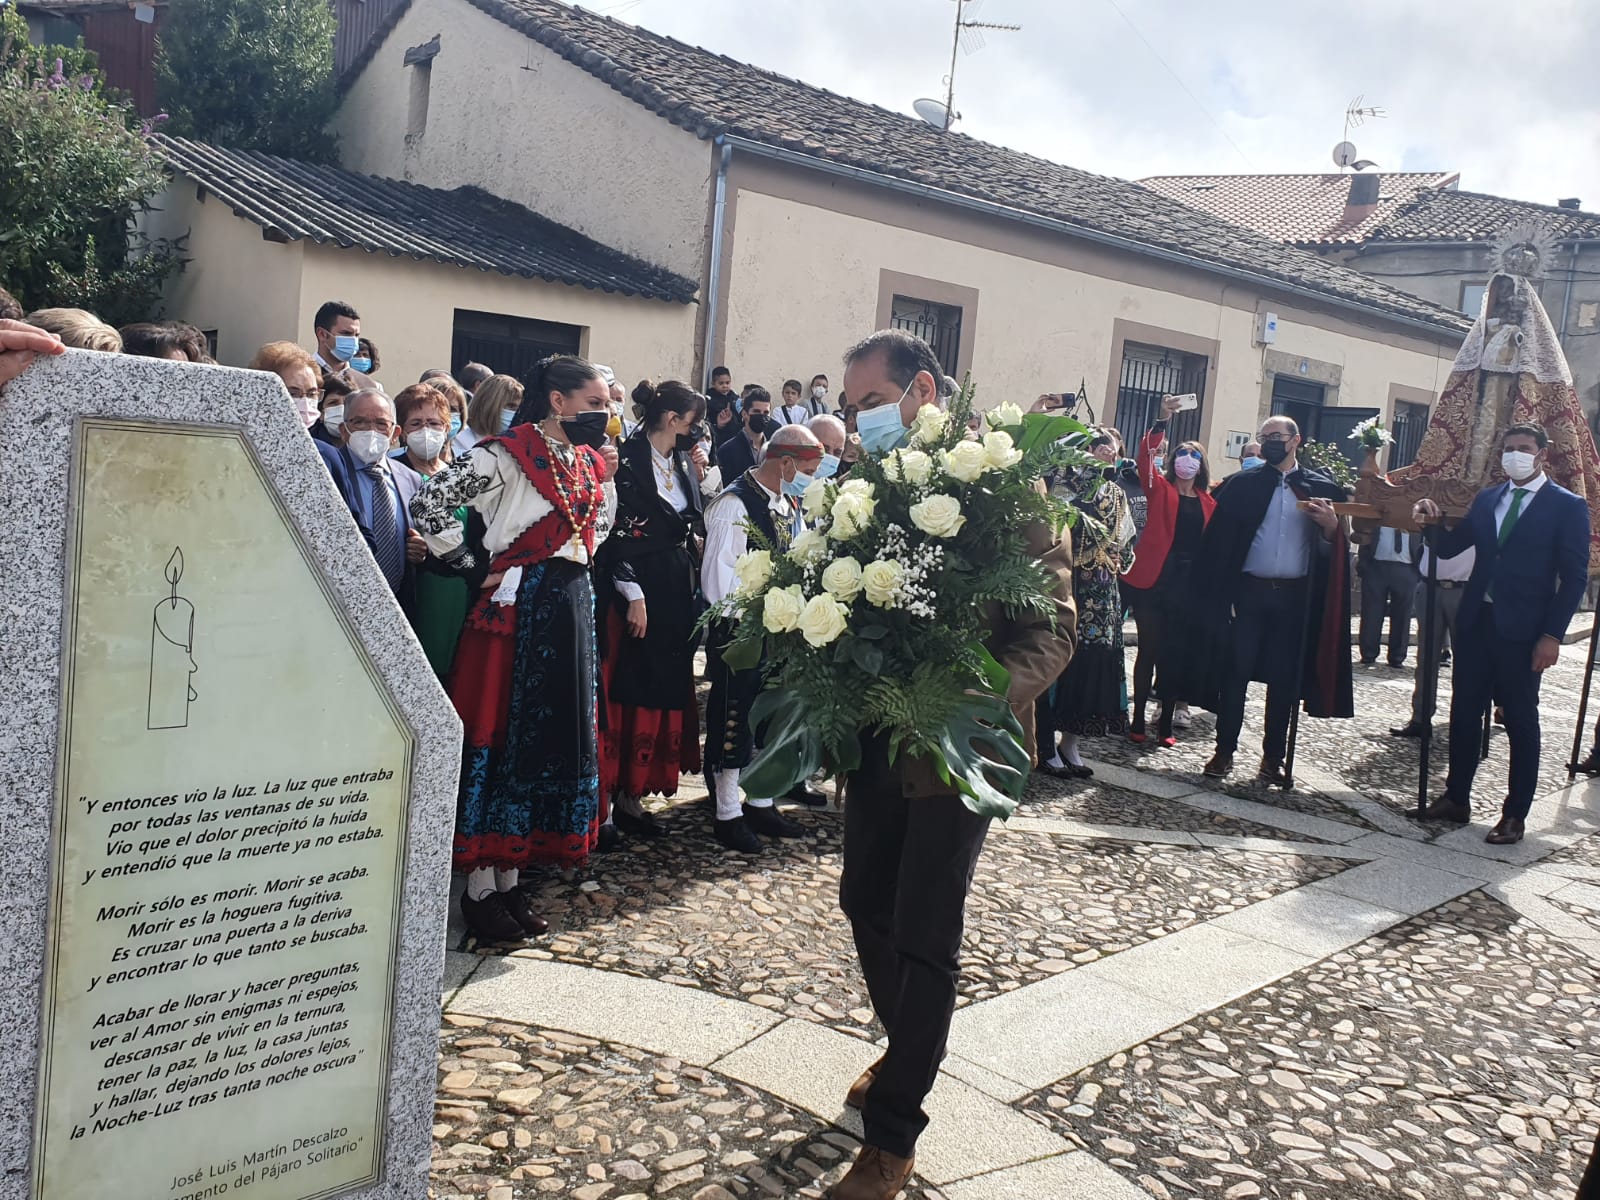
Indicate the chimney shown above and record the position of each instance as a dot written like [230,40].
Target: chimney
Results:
[1571,202]
[1363,199]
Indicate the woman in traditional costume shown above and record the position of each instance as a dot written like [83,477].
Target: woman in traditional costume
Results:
[525,673]
[648,568]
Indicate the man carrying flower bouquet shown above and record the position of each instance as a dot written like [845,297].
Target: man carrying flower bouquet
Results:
[766,498]
[911,839]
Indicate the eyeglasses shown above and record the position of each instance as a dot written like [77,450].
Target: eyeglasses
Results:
[302,394]
[362,424]
[1276,437]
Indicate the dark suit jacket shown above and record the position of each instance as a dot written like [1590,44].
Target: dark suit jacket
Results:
[1539,575]
[343,466]
[735,456]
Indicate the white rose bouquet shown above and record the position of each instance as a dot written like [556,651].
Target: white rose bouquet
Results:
[875,617]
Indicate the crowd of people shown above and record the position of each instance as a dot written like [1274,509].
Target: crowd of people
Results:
[554,541]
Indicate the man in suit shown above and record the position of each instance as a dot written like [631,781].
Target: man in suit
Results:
[1532,566]
[743,450]
[910,844]
[360,469]
[1388,583]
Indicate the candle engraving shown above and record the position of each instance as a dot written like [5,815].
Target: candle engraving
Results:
[171,654]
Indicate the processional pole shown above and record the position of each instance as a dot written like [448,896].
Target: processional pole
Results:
[1430,661]
[1583,699]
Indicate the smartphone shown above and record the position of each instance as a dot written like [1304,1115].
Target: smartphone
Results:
[1187,401]
[1060,399]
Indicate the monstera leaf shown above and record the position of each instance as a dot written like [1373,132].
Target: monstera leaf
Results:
[981,743]
[1038,429]
[791,748]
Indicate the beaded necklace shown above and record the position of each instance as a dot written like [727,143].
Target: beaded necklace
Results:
[565,475]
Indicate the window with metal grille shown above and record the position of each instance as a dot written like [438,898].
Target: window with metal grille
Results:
[1149,373]
[1410,421]
[937,324]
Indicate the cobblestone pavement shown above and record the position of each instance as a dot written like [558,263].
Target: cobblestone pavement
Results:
[535,1112]
[1174,987]
[1456,1054]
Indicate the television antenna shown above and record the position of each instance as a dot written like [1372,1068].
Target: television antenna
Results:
[1356,115]
[968,37]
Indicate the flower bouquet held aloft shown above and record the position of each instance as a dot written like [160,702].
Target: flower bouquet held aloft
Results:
[1371,434]
[874,619]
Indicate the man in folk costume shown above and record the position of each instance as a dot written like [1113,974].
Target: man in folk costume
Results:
[1273,578]
[767,498]
[525,672]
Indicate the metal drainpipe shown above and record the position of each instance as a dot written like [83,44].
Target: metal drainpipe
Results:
[1566,303]
[719,209]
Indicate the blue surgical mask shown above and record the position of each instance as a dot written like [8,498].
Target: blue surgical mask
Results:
[455,424]
[1158,461]
[361,364]
[1250,460]
[881,429]
[345,346]
[506,416]
[829,466]
[798,485]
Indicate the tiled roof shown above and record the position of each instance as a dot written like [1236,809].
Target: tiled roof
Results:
[710,94]
[1302,210]
[296,201]
[1474,217]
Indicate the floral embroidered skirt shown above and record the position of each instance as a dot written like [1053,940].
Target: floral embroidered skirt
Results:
[524,682]
[644,750]
[1088,698]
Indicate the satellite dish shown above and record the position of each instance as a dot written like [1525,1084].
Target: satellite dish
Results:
[934,112]
[1344,154]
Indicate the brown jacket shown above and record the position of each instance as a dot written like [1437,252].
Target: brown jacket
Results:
[1027,646]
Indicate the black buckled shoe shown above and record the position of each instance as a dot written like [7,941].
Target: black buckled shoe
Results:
[736,835]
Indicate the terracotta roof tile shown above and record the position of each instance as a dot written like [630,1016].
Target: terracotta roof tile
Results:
[467,227]
[1302,210]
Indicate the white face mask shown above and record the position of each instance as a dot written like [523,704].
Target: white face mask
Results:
[1517,464]
[368,446]
[819,393]
[426,443]
[333,417]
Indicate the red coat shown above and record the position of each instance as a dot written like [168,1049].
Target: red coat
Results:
[1161,514]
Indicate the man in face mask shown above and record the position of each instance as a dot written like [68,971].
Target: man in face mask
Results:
[766,497]
[1250,456]
[740,452]
[337,329]
[1531,568]
[1272,580]
[360,469]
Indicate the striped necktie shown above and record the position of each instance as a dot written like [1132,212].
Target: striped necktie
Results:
[387,547]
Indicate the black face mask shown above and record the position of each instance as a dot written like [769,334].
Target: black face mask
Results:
[688,441]
[587,428]
[1274,452]
[758,423]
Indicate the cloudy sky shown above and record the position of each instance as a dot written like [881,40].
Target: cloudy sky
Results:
[1503,91]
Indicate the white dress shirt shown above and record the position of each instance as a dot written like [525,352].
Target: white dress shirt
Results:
[1455,569]
[1504,506]
[726,539]
[1281,548]
[1385,549]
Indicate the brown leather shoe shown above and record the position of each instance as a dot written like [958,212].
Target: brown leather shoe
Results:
[856,1097]
[1272,774]
[1219,766]
[876,1175]
[1507,833]
[1446,809]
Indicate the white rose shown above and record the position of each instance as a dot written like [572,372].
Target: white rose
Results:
[842,578]
[808,547]
[851,514]
[881,579]
[1000,451]
[930,424]
[965,461]
[753,570]
[1005,416]
[822,620]
[856,487]
[815,500]
[909,466]
[781,610]
[938,516]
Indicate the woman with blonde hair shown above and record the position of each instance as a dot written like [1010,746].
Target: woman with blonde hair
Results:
[494,403]
[77,328]
[293,364]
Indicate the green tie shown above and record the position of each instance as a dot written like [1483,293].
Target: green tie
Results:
[1506,526]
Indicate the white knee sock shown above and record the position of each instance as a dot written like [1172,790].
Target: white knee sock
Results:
[504,881]
[1069,749]
[611,814]
[480,883]
[727,794]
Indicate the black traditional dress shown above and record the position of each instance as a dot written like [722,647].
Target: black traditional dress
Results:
[525,673]
[652,731]
[1088,699]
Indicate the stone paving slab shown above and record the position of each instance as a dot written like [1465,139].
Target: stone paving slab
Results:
[1453,1056]
[524,1112]
[1078,1176]
[1118,796]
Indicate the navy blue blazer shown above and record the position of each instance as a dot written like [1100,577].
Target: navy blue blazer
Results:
[1539,575]
[734,457]
[342,465]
